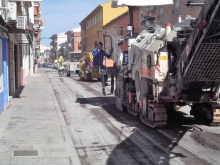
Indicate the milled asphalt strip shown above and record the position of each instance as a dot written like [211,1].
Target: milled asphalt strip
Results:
[148,138]
[66,132]
[184,146]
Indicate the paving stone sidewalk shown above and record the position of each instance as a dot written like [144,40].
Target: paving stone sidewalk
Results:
[32,127]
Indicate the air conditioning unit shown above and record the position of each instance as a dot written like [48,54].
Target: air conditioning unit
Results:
[12,10]
[22,22]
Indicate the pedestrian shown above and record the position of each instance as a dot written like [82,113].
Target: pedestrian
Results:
[98,55]
[59,62]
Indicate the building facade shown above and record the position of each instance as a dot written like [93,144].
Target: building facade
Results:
[177,12]
[117,28]
[171,13]
[58,44]
[17,46]
[73,46]
[91,25]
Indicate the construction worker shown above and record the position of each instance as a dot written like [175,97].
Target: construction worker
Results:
[59,62]
[98,55]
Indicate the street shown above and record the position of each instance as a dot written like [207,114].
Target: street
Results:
[96,133]
[103,135]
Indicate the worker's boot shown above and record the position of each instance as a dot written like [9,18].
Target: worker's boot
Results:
[106,78]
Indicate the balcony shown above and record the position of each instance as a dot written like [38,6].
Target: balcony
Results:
[22,22]
[176,10]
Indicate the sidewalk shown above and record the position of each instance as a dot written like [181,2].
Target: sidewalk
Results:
[32,127]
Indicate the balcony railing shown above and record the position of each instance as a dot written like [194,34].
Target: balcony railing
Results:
[176,10]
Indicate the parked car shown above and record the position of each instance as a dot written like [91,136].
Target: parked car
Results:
[49,65]
[55,65]
[45,65]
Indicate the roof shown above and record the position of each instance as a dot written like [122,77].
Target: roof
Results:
[56,35]
[74,30]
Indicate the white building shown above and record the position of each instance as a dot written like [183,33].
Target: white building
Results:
[58,40]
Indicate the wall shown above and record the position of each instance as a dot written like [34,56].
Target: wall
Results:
[3,70]
[76,39]
[118,28]
[25,53]
[32,12]
[92,32]
[110,13]
[11,68]
[168,16]
[1,80]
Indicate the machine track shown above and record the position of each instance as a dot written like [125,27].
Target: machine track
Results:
[208,112]
[158,115]
[216,114]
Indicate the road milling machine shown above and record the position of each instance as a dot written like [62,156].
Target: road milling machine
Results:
[170,67]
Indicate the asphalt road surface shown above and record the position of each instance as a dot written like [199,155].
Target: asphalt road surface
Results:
[103,135]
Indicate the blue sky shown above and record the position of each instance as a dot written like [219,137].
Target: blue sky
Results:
[62,15]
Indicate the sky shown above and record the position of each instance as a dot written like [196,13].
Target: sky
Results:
[63,15]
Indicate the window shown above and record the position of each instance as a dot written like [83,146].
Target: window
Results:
[95,20]
[121,31]
[161,13]
[100,16]
[90,23]
[176,8]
